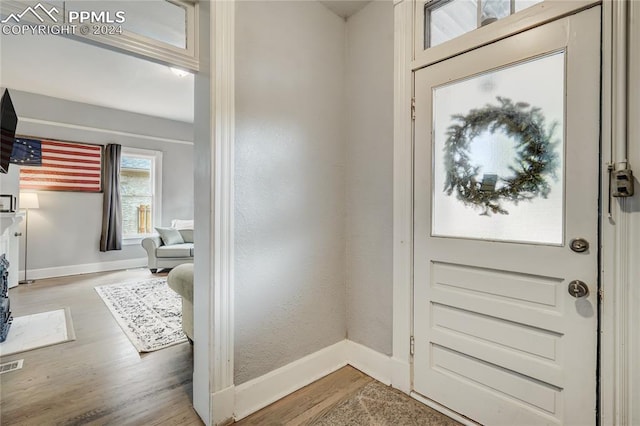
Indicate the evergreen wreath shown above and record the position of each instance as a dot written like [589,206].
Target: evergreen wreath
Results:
[535,156]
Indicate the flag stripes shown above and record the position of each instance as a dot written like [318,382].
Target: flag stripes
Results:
[65,167]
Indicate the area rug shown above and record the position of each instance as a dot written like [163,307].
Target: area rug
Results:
[380,405]
[148,311]
[38,330]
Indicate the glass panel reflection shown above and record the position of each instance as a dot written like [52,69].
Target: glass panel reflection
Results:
[523,4]
[492,10]
[451,20]
[448,19]
[159,20]
[498,154]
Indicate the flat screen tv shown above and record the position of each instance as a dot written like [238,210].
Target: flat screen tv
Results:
[8,124]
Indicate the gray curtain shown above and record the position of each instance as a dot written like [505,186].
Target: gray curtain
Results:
[111,238]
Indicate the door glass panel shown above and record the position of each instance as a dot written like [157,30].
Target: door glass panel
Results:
[524,4]
[498,145]
[451,19]
[448,19]
[492,10]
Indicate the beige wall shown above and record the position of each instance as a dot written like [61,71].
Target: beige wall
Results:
[369,179]
[290,184]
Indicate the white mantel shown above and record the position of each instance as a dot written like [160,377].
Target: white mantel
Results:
[9,219]
[10,242]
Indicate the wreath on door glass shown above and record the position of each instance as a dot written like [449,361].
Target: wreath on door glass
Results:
[536,158]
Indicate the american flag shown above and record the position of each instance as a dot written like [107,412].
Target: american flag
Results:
[65,166]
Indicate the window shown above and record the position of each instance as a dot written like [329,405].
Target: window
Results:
[448,19]
[140,192]
[164,31]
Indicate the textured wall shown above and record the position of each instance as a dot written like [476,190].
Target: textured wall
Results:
[369,183]
[65,231]
[290,282]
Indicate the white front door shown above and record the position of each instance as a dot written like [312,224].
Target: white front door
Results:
[506,200]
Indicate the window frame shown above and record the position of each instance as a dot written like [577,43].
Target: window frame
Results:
[428,6]
[130,42]
[156,189]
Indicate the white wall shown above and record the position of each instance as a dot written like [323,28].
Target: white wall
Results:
[290,183]
[65,231]
[369,179]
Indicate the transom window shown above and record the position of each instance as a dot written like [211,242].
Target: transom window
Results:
[140,192]
[448,19]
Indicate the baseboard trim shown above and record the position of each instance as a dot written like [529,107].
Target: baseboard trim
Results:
[256,394]
[87,268]
[401,375]
[264,390]
[370,362]
[222,406]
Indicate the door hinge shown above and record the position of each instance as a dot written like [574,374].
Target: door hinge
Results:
[412,346]
[601,294]
[413,109]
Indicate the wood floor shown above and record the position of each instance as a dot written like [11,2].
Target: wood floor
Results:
[311,402]
[99,378]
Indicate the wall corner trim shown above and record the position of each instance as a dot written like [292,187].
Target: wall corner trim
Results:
[401,375]
[214,135]
[369,361]
[269,388]
[222,406]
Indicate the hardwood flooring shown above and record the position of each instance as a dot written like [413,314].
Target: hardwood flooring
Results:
[348,397]
[311,402]
[99,378]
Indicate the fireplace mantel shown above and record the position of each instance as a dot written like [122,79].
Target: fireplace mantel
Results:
[10,242]
[9,219]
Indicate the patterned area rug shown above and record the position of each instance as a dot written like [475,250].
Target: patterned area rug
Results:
[380,405]
[148,311]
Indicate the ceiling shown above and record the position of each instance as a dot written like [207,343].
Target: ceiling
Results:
[344,8]
[76,71]
[69,69]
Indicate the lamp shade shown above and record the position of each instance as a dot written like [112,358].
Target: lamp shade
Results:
[29,200]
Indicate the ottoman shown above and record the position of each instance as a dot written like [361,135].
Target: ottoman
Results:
[180,280]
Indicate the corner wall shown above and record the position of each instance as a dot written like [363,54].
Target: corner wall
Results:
[369,179]
[289,175]
[65,232]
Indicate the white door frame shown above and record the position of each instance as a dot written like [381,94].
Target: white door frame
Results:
[214,135]
[617,245]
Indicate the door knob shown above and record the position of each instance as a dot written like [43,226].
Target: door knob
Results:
[578,289]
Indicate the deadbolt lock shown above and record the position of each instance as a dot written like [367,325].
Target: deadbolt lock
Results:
[579,245]
[578,289]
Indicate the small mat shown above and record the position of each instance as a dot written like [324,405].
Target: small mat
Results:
[380,405]
[148,311]
[38,330]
